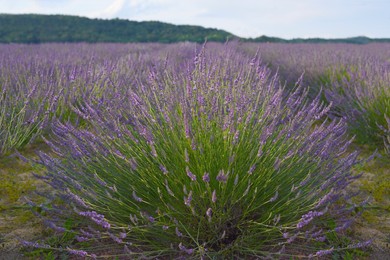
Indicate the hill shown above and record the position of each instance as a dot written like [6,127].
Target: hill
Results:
[32,28]
[35,28]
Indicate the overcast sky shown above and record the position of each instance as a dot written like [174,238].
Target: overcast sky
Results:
[245,18]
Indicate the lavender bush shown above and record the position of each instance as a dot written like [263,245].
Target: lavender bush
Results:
[23,112]
[361,94]
[214,159]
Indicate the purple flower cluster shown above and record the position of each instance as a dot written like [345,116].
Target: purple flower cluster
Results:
[77,252]
[95,217]
[307,218]
[322,253]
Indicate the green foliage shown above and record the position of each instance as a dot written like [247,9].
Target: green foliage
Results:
[55,241]
[60,28]
[343,241]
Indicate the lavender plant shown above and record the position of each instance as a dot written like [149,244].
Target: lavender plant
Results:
[214,160]
[21,117]
[361,94]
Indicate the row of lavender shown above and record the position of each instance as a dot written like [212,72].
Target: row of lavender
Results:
[178,150]
[356,79]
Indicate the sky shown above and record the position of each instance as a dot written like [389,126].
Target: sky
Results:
[245,18]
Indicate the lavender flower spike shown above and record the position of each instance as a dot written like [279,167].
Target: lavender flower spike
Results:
[222,177]
[209,214]
[214,196]
[206,177]
[325,252]
[190,174]
[274,197]
[77,252]
[136,197]
[187,200]
[184,249]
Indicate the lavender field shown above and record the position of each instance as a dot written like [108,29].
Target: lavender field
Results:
[215,151]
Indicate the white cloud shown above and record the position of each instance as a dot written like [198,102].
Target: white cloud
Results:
[111,10]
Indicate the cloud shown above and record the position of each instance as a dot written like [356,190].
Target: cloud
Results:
[111,10]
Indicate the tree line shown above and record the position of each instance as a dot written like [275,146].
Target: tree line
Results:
[35,28]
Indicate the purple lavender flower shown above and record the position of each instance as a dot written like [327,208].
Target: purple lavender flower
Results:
[206,177]
[292,238]
[163,169]
[115,238]
[344,226]
[321,239]
[361,244]
[81,239]
[33,244]
[184,249]
[325,199]
[151,219]
[86,234]
[307,218]
[253,167]
[222,177]
[277,163]
[325,252]
[77,199]
[209,213]
[122,235]
[99,180]
[135,197]
[178,233]
[214,196]
[52,225]
[190,174]
[153,150]
[188,199]
[274,197]
[133,164]
[97,218]
[77,252]
[317,233]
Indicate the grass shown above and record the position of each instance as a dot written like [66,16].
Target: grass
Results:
[16,183]
[375,183]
